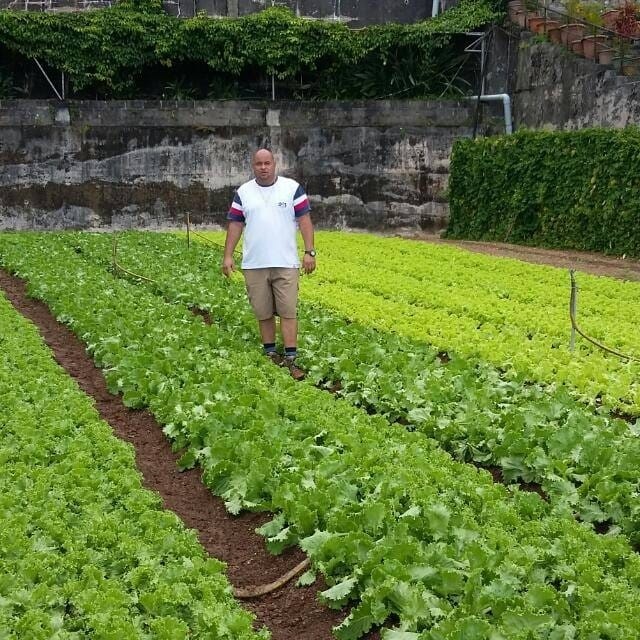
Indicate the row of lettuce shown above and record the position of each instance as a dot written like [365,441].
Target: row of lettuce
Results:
[505,312]
[586,463]
[500,311]
[388,518]
[86,551]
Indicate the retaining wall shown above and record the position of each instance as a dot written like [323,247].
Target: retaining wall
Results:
[375,165]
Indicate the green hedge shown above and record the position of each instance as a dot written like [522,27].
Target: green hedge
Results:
[577,190]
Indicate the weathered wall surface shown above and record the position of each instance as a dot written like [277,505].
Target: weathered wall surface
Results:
[554,89]
[354,12]
[145,164]
[563,91]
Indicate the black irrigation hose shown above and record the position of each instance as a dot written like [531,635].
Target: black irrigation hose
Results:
[574,324]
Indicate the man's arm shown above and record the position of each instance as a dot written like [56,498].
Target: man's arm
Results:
[234,232]
[306,230]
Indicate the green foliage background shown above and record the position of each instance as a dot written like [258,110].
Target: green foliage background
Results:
[578,190]
[114,51]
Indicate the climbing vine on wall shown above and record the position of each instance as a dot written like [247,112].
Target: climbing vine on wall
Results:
[568,189]
[114,51]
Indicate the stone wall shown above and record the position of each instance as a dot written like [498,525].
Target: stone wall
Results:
[556,89]
[552,88]
[353,12]
[377,164]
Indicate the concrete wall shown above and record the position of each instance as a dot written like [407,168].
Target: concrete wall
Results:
[376,164]
[354,12]
[556,89]
[552,88]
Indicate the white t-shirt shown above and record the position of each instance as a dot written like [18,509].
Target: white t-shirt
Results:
[269,215]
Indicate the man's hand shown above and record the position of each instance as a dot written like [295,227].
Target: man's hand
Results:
[308,263]
[228,266]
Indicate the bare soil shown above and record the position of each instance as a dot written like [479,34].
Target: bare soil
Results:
[291,612]
[593,263]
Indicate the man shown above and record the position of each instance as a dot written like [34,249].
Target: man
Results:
[268,209]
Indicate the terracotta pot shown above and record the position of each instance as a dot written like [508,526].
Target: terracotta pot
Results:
[514,7]
[605,56]
[521,18]
[626,66]
[576,47]
[555,35]
[609,18]
[589,45]
[631,67]
[603,45]
[544,26]
[571,32]
[533,22]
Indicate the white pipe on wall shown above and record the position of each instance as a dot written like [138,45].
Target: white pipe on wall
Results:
[506,103]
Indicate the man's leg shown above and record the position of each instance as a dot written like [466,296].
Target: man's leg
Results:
[289,329]
[285,294]
[268,330]
[261,299]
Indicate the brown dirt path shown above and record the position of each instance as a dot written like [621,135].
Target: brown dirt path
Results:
[291,613]
[594,263]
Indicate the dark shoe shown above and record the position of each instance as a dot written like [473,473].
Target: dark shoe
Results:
[296,372]
[276,358]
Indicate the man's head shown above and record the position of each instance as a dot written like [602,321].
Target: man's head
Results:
[264,167]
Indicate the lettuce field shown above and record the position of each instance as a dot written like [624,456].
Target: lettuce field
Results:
[449,467]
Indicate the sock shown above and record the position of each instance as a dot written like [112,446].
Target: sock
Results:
[269,347]
[290,352]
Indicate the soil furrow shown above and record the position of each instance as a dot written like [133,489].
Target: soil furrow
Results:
[290,613]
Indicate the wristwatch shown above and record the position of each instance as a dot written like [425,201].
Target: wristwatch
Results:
[311,252]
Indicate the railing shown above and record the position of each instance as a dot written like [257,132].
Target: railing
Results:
[611,42]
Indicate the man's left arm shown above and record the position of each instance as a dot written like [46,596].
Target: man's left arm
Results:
[306,231]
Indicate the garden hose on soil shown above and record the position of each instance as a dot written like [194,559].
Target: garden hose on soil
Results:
[241,593]
[574,324]
[254,592]
[199,235]
[118,267]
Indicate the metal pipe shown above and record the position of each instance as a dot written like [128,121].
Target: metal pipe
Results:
[506,103]
[44,73]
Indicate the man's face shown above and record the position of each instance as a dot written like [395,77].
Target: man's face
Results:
[264,167]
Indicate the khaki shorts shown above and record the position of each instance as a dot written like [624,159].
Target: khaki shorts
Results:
[272,291]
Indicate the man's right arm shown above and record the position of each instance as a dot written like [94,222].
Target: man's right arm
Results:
[234,231]
[236,219]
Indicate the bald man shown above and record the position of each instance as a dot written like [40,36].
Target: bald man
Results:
[269,209]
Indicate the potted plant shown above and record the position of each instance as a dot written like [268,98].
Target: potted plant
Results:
[626,28]
[573,30]
[626,24]
[514,7]
[554,33]
[590,14]
[529,13]
[609,18]
[592,45]
[606,55]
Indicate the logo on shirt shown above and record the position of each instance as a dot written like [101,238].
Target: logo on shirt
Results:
[281,204]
